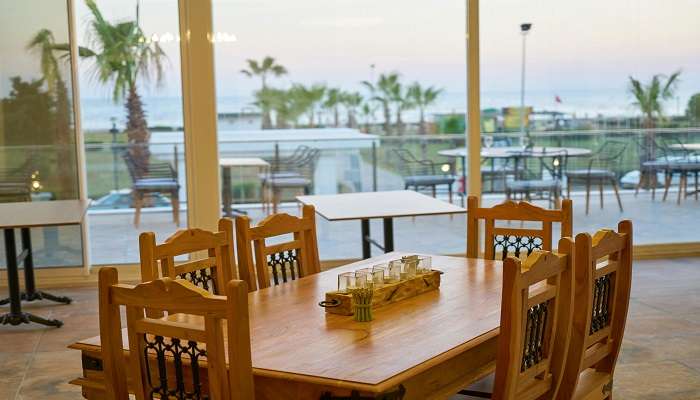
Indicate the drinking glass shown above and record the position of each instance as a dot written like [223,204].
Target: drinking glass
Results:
[408,269]
[363,278]
[395,267]
[346,282]
[425,264]
[380,273]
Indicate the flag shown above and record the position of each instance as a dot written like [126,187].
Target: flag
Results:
[557,99]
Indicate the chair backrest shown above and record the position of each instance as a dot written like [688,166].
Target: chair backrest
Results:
[409,164]
[603,275]
[536,305]
[196,339]
[608,155]
[512,240]
[262,264]
[210,273]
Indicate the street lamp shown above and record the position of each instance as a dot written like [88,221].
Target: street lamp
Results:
[524,29]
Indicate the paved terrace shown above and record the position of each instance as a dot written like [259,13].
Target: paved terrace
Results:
[115,240]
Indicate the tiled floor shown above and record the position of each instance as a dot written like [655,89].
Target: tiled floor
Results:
[660,357]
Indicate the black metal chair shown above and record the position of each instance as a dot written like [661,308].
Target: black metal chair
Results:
[151,179]
[599,171]
[15,185]
[293,172]
[420,174]
[494,169]
[681,162]
[539,187]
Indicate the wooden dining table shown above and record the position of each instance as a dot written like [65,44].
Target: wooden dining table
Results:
[426,347]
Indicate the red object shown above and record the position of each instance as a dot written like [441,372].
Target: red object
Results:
[557,99]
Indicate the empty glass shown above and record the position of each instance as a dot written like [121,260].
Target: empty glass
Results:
[380,273]
[363,278]
[408,270]
[395,267]
[346,282]
[425,264]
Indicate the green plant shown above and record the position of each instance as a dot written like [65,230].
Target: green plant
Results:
[267,67]
[383,92]
[332,103]
[693,110]
[122,54]
[351,101]
[422,98]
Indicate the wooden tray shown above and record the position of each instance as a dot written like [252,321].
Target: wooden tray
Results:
[341,303]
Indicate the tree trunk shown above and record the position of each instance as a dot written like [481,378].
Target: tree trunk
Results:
[352,121]
[266,118]
[67,174]
[421,123]
[137,130]
[387,119]
[648,153]
[336,117]
[399,123]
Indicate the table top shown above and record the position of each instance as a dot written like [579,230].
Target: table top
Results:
[42,213]
[294,338]
[514,151]
[243,162]
[366,205]
[686,146]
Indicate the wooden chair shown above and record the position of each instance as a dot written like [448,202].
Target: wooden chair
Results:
[194,352]
[603,275]
[210,273]
[277,263]
[536,305]
[512,240]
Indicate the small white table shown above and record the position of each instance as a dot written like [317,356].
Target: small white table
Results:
[686,146]
[371,205]
[240,162]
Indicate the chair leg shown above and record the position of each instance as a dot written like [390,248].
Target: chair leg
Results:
[654,182]
[433,189]
[667,183]
[617,194]
[138,203]
[639,184]
[275,199]
[175,202]
[588,194]
[449,189]
[696,186]
[682,184]
[568,188]
[600,187]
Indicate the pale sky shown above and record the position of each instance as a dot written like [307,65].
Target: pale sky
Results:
[581,46]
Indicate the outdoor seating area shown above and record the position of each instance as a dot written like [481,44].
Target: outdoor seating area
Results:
[339,200]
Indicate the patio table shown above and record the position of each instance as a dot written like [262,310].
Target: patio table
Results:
[27,215]
[372,205]
[240,162]
[686,146]
[517,153]
[427,347]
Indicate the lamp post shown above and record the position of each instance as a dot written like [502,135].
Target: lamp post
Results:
[115,175]
[524,29]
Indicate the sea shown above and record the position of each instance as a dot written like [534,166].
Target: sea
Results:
[100,113]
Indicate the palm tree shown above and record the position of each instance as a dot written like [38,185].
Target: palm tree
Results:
[268,66]
[351,101]
[423,98]
[403,102]
[44,43]
[312,95]
[122,54]
[649,100]
[367,111]
[383,92]
[333,100]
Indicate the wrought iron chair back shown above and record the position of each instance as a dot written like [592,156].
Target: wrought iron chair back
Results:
[15,184]
[410,165]
[607,156]
[536,306]
[505,241]
[180,357]
[603,276]
[262,265]
[209,273]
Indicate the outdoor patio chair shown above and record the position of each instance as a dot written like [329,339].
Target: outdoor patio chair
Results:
[419,174]
[600,170]
[290,173]
[540,187]
[15,185]
[151,179]
[683,163]
[493,169]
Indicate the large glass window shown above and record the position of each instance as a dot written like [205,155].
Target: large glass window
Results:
[610,94]
[333,91]
[132,121]
[37,131]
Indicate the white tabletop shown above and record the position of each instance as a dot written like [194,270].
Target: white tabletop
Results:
[42,213]
[366,205]
[243,162]
[514,151]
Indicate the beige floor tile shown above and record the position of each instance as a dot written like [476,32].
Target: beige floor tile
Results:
[657,380]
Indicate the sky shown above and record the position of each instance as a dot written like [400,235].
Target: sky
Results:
[573,46]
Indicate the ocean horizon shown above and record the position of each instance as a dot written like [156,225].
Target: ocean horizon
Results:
[97,113]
